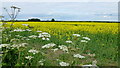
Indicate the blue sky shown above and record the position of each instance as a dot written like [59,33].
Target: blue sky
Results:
[67,11]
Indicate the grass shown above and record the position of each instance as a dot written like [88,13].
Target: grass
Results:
[103,43]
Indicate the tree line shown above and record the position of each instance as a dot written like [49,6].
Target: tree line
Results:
[37,20]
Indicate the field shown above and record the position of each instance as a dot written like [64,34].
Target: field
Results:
[60,44]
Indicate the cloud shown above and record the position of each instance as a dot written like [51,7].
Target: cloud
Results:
[60,0]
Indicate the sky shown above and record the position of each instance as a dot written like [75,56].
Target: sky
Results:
[72,10]
[60,0]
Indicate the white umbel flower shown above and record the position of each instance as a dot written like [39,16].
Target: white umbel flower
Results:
[86,38]
[64,48]
[68,41]
[77,35]
[33,51]
[4,45]
[28,30]
[55,49]
[49,45]
[18,30]
[25,24]
[64,64]
[39,31]
[33,36]
[84,41]
[29,57]
[78,56]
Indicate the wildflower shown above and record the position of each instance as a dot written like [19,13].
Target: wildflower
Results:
[15,46]
[77,35]
[27,39]
[39,31]
[86,38]
[4,45]
[29,57]
[64,64]
[94,62]
[33,36]
[44,36]
[41,62]
[84,41]
[23,44]
[49,45]
[93,65]
[14,40]
[64,48]
[78,56]
[23,38]
[47,39]
[55,49]
[19,45]
[28,30]
[25,24]
[92,55]
[33,51]
[68,41]
[18,36]
[18,30]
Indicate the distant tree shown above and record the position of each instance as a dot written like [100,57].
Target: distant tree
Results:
[53,20]
[34,19]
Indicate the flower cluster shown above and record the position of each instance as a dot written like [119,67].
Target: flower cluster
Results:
[41,62]
[25,24]
[18,30]
[64,48]
[44,36]
[55,49]
[33,36]
[33,51]
[86,39]
[39,31]
[64,64]
[76,35]
[4,45]
[78,56]
[49,45]
[68,41]
[19,45]
[29,57]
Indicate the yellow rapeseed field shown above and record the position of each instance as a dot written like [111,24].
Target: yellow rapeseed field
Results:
[91,27]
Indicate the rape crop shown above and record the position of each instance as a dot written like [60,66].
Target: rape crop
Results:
[60,44]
